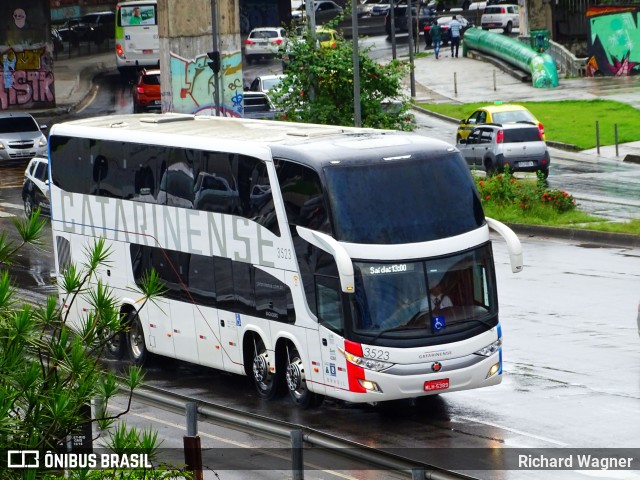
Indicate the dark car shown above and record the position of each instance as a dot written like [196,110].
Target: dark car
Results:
[258,105]
[92,27]
[146,91]
[425,15]
[446,33]
[35,189]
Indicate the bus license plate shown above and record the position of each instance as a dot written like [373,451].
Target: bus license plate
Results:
[432,385]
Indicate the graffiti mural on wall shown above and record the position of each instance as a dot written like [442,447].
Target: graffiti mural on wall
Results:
[25,51]
[193,85]
[614,41]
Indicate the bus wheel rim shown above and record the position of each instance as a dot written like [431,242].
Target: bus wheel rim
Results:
[295,378]
[261,370]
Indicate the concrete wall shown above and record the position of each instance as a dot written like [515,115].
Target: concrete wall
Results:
[26,54]
[614,41]
[186,35]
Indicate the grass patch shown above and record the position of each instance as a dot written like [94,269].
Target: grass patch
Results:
[568,121]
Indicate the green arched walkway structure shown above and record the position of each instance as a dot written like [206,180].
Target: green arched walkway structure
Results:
[544,73]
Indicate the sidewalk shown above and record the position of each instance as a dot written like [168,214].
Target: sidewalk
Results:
[451,80]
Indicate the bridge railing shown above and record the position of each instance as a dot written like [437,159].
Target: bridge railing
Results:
[568,64]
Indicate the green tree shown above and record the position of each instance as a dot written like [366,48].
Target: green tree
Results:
[50,372]
[318,87]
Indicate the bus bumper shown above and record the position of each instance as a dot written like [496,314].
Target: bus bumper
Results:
[381,386]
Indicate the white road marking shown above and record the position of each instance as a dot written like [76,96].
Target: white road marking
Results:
[513,430]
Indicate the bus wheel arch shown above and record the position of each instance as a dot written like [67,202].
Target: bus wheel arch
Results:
[262,368]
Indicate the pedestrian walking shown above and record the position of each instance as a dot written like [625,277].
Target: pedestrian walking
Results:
[436,37]
[455,27]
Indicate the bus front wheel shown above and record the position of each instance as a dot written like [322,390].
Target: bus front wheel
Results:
[264,378]
[135,341]
[297,383]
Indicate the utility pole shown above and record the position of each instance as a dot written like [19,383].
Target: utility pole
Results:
[357,113]
[411,29]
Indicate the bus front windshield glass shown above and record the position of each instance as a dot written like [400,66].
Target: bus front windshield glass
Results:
[403,201]
[427,297]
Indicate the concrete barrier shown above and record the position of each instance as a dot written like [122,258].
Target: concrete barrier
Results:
[544,73]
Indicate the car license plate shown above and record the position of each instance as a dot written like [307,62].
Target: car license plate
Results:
[432,385]
[147,51]
[156,102]
[526,164]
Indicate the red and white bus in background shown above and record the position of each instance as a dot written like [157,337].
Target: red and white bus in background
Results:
[328,261]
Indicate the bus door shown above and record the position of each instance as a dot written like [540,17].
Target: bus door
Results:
[331,319]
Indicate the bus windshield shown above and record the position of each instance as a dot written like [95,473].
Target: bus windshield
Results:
[413,200]
[425,298]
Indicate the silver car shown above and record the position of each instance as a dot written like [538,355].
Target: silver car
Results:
[519,146]
[21,137]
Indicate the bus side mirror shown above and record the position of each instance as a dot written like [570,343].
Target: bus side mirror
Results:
[513,243]
[332,246]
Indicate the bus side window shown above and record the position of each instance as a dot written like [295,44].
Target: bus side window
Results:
[202,280]
[329,306]
[177,181]
[243,285]
[273,298]
[303,196]
[261,203]
[70,162]
[216,188]
[223,274]
[144,161]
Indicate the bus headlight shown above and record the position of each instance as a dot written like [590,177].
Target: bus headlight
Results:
[490,349]
[368,363]
[369,385]
[495,368]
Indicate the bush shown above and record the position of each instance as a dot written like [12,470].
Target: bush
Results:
[533,199]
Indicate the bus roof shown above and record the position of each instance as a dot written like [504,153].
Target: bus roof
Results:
[311,144]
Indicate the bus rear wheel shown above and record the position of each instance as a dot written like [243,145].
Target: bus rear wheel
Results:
[136,347]
[297,382]
[265,380]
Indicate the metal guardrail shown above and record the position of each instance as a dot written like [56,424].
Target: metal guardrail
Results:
[247,421]
[568,64]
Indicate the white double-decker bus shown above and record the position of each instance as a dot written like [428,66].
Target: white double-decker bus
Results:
[327,261]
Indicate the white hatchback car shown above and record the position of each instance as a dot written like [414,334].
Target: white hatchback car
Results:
[35,188]
[500,16]
[264,42]
[21,137]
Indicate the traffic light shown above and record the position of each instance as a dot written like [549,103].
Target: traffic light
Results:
[214,64]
